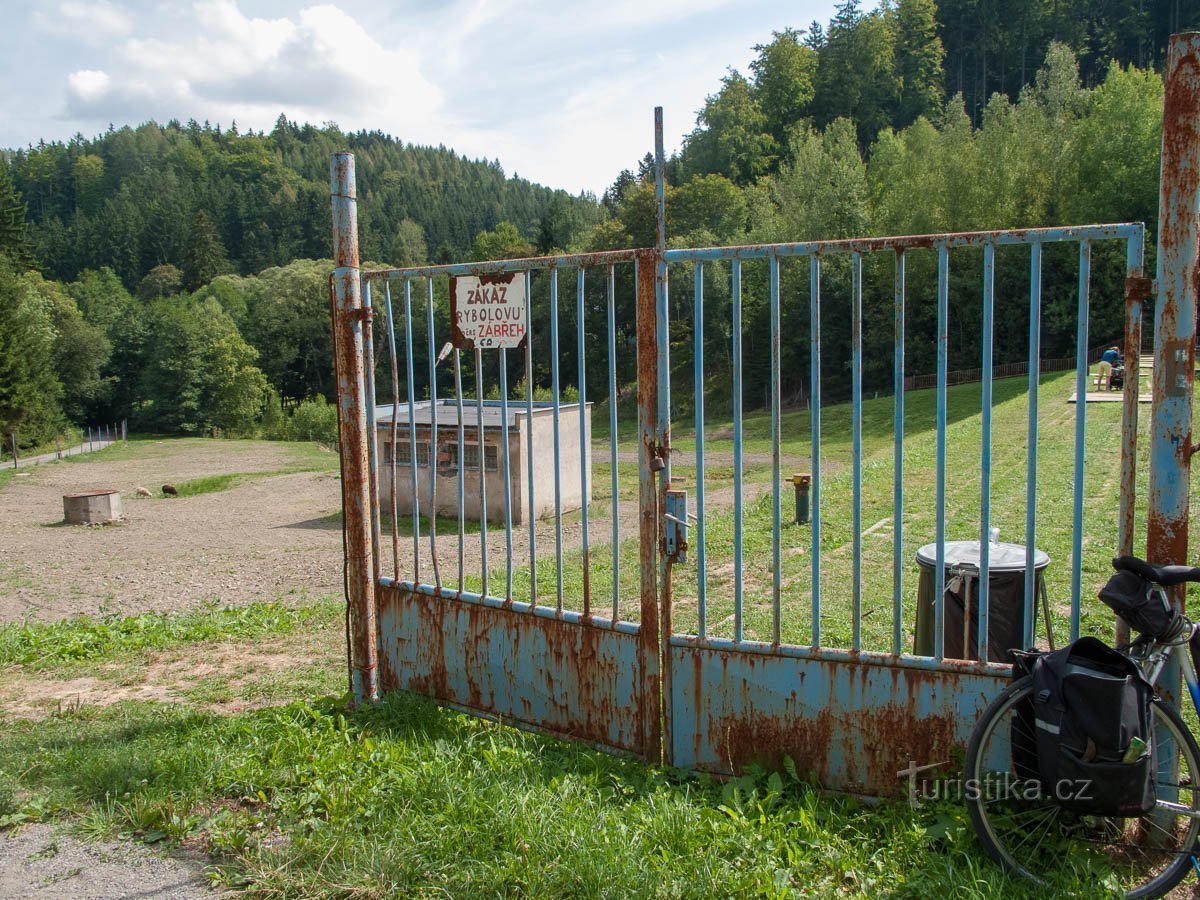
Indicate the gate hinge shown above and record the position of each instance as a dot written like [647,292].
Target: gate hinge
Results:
[1138,287]
[361,314]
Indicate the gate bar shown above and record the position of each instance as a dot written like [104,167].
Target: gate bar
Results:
[1031,439]
[584,474]
[814,420]
[1082,380]
[985,455]
[898,464]
[356,524]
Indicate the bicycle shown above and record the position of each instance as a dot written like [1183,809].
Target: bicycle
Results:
[1029,832]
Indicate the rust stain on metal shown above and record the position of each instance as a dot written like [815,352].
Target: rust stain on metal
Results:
[358,498]
[576,670]
[857,747]
[650,690]
[1138,288]
[1179,197]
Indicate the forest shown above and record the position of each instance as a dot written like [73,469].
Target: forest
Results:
[175,274]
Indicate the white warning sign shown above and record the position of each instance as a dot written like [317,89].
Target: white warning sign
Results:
[489,311]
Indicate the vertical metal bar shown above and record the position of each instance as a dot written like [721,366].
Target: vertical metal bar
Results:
[943,346]
[1134,295]
[395,364]
[529,438]
[412,430]
[814,416]
[1081,387]
[372,437]
[353,438]
[433,435]
[584,470]
[985,452]
[856,448]
[558,560]
[612,444]
[737,450]
[776,457]
[649,649]
[663,425]
[482,445]
[1175,316]
[504,449]
[1031,442]
[459,465]
[898,461]
[698,376]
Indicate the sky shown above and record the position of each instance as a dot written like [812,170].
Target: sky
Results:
[562,93]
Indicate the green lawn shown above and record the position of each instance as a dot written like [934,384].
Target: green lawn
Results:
[405,798]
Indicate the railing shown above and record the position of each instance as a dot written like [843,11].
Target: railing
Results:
[814,254]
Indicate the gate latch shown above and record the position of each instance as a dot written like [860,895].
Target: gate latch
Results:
[676,531]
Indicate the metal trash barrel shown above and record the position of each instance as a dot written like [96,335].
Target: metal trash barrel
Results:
[1006,599]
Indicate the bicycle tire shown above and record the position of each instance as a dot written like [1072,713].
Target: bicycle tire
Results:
[1164,868]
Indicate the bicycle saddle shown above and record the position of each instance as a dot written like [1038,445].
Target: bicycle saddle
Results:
[1164,575]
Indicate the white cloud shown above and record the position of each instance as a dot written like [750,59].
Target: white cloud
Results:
[317,65]
[93,22]
[89,84]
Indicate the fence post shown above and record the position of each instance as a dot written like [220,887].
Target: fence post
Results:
[351,395]
[1175,314]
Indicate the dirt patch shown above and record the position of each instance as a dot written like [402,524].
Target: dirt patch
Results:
[209,676]
[252,542]
[43,861]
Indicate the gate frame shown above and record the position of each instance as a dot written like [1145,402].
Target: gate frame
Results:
[938,691]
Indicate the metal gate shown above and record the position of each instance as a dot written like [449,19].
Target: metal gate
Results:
[786,647]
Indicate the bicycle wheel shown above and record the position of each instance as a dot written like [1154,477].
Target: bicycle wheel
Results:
[1030,834]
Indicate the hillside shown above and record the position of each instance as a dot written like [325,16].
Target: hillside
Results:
[210,201]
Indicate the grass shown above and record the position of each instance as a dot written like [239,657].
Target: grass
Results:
[308,799]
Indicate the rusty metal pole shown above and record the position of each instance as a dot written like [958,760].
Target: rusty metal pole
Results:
[1175,315]
[648,516]
[666,610]
[351,397]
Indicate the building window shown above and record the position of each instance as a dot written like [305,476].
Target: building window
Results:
[471,457]
[387,452]
[404,454]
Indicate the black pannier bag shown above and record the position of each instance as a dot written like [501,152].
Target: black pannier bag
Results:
[1092,712]
[1133,598]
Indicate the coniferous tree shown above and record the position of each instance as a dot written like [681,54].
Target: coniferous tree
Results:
[14,232]
[205,258]
[919,57]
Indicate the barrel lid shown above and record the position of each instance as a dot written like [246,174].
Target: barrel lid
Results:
[1002,557]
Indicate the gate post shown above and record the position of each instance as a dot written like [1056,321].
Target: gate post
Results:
[649,463]
[352,401]
[1175,319]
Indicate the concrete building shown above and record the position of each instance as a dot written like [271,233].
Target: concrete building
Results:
[572,458]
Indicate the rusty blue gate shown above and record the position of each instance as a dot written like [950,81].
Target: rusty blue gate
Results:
[654,601]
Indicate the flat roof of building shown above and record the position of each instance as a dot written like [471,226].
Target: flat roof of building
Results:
[447,412]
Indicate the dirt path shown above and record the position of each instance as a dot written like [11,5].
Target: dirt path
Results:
[262,539]
[69,451]
[268,537]
[44,861]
